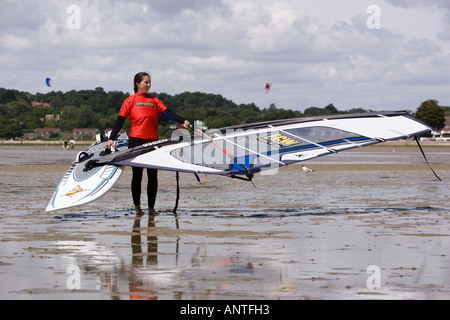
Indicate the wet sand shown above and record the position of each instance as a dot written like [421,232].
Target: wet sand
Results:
[367,224]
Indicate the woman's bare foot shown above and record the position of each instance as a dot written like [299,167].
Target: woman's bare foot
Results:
[139,211]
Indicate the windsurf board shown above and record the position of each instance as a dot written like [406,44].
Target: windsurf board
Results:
[81,184]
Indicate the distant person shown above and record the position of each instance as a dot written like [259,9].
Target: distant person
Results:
[143,110]
[65,146]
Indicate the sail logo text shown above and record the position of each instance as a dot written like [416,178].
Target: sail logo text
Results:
[279,140]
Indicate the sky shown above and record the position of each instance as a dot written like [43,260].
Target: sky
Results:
[374,54]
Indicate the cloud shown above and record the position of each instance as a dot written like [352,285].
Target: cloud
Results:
[414,4]
[443,5]
[171,7]
[227,47]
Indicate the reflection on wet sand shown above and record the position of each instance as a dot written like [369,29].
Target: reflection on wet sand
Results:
[325,257]
[299,235]
[147,279]
[140,284]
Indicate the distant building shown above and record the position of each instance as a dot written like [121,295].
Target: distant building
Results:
[40,133]
[41,104]
[55,117]
[45,133]
[445,131]
[66,135]
[87,132]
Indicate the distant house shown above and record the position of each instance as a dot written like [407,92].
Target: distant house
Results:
[45,133]
[41,104]
[28,135]
[40,133]
[66,135]
[87,132]
[55,117]
[444,131]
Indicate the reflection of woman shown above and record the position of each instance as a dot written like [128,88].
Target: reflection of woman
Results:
[137,284]
[143,111]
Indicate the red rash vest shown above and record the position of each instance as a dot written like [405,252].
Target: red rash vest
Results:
[143,110]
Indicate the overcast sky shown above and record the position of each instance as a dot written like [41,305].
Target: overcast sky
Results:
[375,54]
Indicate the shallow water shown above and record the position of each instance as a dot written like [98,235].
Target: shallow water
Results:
[369,224]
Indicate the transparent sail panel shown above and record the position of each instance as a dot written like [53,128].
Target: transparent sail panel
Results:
[254,149]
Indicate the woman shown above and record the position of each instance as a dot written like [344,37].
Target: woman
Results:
[143,111]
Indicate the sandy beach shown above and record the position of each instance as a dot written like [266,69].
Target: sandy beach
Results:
[367,224]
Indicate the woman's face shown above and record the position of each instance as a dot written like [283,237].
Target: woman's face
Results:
[144,85]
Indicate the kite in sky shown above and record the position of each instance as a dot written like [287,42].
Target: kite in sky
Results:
[268,85]
[48,81]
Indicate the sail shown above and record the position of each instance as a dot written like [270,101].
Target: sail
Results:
[251,148]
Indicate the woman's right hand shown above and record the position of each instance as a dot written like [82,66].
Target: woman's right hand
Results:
[109,144]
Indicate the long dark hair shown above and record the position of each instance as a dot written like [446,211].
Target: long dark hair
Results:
[138,78]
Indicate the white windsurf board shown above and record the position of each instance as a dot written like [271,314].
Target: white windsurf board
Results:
[81,185]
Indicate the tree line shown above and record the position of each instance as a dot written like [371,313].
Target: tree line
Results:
[99,109]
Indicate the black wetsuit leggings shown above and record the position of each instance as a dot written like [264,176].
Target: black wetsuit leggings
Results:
[136,181]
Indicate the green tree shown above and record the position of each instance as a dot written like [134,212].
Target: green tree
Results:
[13,130]
[31,121]
[114,101]
[14,109]
[248,113]
[86,118]
[2,125]
[313,111]
[51,123]
[447,111]
[432,114]
[57,101]
[7,96]
[69,115]
[331,109]
[327,111]
[357,110]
